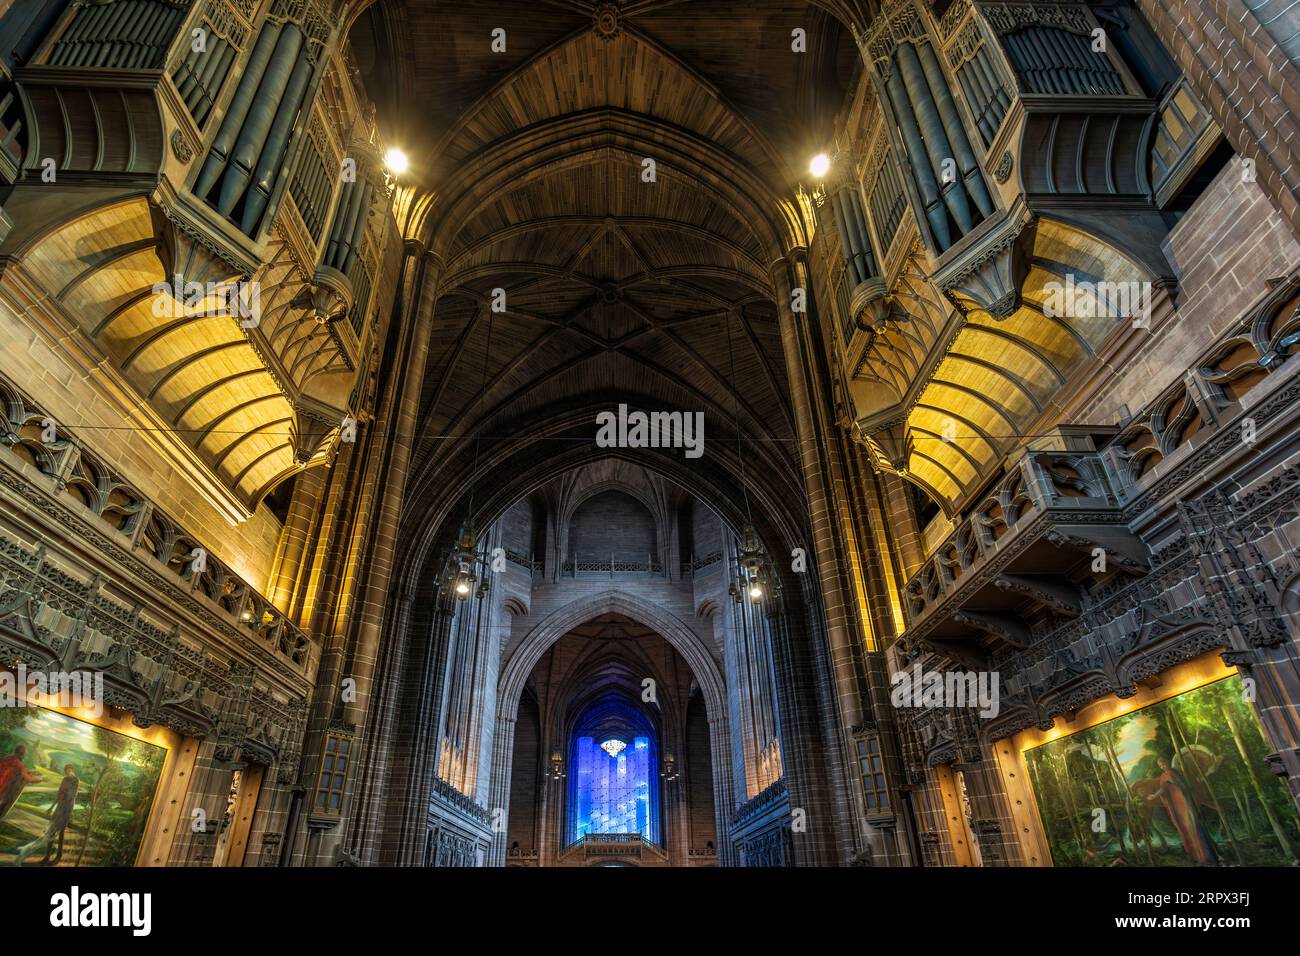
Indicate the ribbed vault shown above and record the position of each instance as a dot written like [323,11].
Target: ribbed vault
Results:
[254,404]
[619,286]
[995,377]
[725,70]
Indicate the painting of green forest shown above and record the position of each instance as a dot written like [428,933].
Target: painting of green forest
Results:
[72,793]
[1179,783]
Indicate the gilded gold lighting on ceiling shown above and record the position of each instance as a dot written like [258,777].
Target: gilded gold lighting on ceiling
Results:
[820,165]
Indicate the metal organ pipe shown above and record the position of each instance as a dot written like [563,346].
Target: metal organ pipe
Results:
[261,114]
[277,141]
[841,223]
[935,141]
[925,180]
[858,226]
[359,227]
[224,141]
[952,125]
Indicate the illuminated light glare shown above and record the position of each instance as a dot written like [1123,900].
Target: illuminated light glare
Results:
[396,161]
[756,592]
[613,747]
[462,588]
[820,165]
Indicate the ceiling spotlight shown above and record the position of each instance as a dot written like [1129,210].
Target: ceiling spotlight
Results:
[820,165]
[396,161]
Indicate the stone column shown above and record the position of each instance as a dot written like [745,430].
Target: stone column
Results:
[724,797]
[503,759]
[812,439]
[403,735]
[285,590]
[837,542]
[397,420]
[353,562]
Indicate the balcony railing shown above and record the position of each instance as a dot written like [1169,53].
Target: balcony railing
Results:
[1021,548]
[82,478]
[605,846]
[526,561]
[611,564]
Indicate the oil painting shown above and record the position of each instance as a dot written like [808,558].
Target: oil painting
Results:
[1182,782]
[72,793]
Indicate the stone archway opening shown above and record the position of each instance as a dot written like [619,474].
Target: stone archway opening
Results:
[612,758]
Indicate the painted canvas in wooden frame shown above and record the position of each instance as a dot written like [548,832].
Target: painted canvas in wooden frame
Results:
[73,792]
[1181,782]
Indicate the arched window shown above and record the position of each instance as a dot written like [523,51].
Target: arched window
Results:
[613,774]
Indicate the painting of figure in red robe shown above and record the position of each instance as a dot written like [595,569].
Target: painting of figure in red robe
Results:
[72,793]
[1183,782]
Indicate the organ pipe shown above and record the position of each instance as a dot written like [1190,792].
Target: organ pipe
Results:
[276,143]
[934,139]
[965,157]
[224,141]
[248,153]
[261,114]
[948,176]
[852,227]
[925,178]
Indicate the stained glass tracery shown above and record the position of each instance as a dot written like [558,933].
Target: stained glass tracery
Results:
[614,792]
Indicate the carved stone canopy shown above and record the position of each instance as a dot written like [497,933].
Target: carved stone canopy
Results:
[987,276]
[330,294]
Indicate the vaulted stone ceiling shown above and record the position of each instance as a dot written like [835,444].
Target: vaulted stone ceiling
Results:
[608,657]
[724,69]
[533,159]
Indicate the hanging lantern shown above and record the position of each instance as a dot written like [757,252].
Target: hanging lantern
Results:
[556,771]
[460,573]
[669,771]
[752,570]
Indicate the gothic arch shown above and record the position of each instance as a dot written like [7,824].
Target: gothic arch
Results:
[693,648]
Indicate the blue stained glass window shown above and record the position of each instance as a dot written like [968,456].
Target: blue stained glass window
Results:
[614,794]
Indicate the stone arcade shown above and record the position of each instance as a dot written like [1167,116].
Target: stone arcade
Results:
[990,310]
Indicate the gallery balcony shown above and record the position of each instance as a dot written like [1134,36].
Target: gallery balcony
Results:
[612,849]
[1019,556]
[90,499]
[611,565]
[209,171]
[1066,158]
